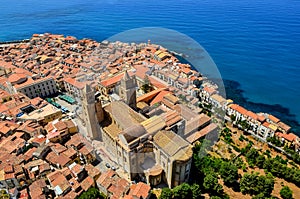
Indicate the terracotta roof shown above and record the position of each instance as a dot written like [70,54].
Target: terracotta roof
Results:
[186,70]
[156,83]
[219,98]
[22,71]
[9,169]
[113,80]
[203,132]
[85,150]
[87,183]
[53,134]
[76,140]
[171,117]
[185,111]
[273,118]
[92,171]
[15,78]
[76,168]
[266,124]
[261,118]
[62,160]
[30,81]
[196,122]
[238,108]
[103,180]
[119,188]
[36,188]
[210,90]
[60,181]
[159,97]
[70,152]
[69,123]
[57,147]
[139,190]
[252,115]
[149,96]
[74,82]
[289,137]
[284,126]
[60,125]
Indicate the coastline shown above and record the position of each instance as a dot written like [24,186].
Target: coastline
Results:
[199,111]
[233,92]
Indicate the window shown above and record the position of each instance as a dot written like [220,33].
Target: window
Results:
[186,176]
[187,168]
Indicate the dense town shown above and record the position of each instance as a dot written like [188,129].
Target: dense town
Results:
[121,118]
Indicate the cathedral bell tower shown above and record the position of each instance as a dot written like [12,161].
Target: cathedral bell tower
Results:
[89,113]
[127,90]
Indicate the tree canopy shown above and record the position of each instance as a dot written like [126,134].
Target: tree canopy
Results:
[91,193]
[253,184]
[286,193]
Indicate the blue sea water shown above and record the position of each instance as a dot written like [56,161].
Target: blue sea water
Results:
[255,43]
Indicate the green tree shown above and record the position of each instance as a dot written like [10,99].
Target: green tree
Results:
[166,193]
[259,196]
[215,197]
[238,162]
[266,184]
[147,86]
[210,183]
[229,173]
[254,184]
[4,195]
[251,156]
[196,191]
[260,161]
[232,117]
[286,193]
[248,183]
[182,191]
[91,193]
[197,83]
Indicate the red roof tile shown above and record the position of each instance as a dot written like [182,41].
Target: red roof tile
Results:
[139,190]
[252,115]
[239,109]
[148,96]
[289,137]
[87,183]
[159,97]
[273,119]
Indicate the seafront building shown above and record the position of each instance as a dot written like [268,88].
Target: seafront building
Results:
[147,133]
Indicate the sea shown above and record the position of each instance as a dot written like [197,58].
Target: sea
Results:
[254,44]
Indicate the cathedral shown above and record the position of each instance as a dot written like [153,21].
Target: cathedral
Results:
[142,146]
